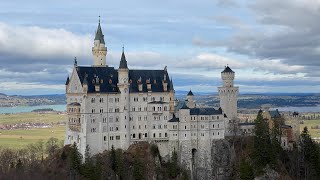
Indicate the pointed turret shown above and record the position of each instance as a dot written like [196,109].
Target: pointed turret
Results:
[190,101]
[123,62]
[171,85]
[190,93]
[99,35]
[68,80]
[99,50]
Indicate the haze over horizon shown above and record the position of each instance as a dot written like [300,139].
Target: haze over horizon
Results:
[273,46]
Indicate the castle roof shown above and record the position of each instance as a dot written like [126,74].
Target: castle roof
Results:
[184,106]
[108,77]
[174,119]
[275,114]
[68,80]
[99,35]
[247,124]
[227,69]
[74,104]
[205,111]
[190,93]
[123,62]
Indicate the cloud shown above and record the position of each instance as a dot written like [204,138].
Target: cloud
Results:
[284,31]
[32,44]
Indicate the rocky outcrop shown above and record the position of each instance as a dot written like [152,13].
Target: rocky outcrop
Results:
[268,174]
[218,159]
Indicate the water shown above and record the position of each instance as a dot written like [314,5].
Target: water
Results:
[300,109]
[20,109]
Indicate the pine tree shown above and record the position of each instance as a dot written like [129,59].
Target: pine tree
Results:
[311,155]
[75,159]
[246,171]
[113,158]
[137,169]
[263,151]
[173,165]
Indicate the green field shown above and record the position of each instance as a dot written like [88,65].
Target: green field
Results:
[315,133]
[21,138]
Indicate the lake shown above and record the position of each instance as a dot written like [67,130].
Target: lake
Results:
[300,109]
[62,107]
[20,109]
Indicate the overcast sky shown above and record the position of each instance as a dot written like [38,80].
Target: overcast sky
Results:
[272,45]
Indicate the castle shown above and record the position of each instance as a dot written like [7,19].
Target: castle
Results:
[118,107]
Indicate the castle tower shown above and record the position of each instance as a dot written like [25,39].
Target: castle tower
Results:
[99,50]
[123,85]
[228,97]
[191,103]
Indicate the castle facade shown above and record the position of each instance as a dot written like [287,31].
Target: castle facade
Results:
[118,107]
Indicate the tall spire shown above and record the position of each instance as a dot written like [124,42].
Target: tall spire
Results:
[123,62]
[99,35]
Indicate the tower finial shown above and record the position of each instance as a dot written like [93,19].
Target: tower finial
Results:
[122,48]
[99,19]
[75,61]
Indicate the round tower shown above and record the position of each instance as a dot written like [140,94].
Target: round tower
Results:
[190,103]
[99,50]
[228,95]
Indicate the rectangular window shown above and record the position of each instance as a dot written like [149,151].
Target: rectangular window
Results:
[104,138]
[117,137]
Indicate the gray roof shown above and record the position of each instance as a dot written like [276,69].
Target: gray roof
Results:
[108,77]
[275,114]
[123,62]
[171,85]
[74,104]
[247,124]
[99,35]
[174,119]
[286,126]
[190,93]
[227,70]
[157,102]
[205,111]
[184,106]
[67,81]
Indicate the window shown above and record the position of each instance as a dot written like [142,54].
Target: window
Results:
[111,137]
[154,126]
[217,117]
[117,137]
[104,120]
[154,135]
[93,100]
[104,138]
[145,99]
[117,110]
[134,136]
[117,119]
[159,134]
[218,125]
[165,135]
[145,134]
[101,100]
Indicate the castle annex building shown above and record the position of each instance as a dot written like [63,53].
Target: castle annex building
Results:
[118,107]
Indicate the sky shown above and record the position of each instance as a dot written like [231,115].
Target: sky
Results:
[273,46]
